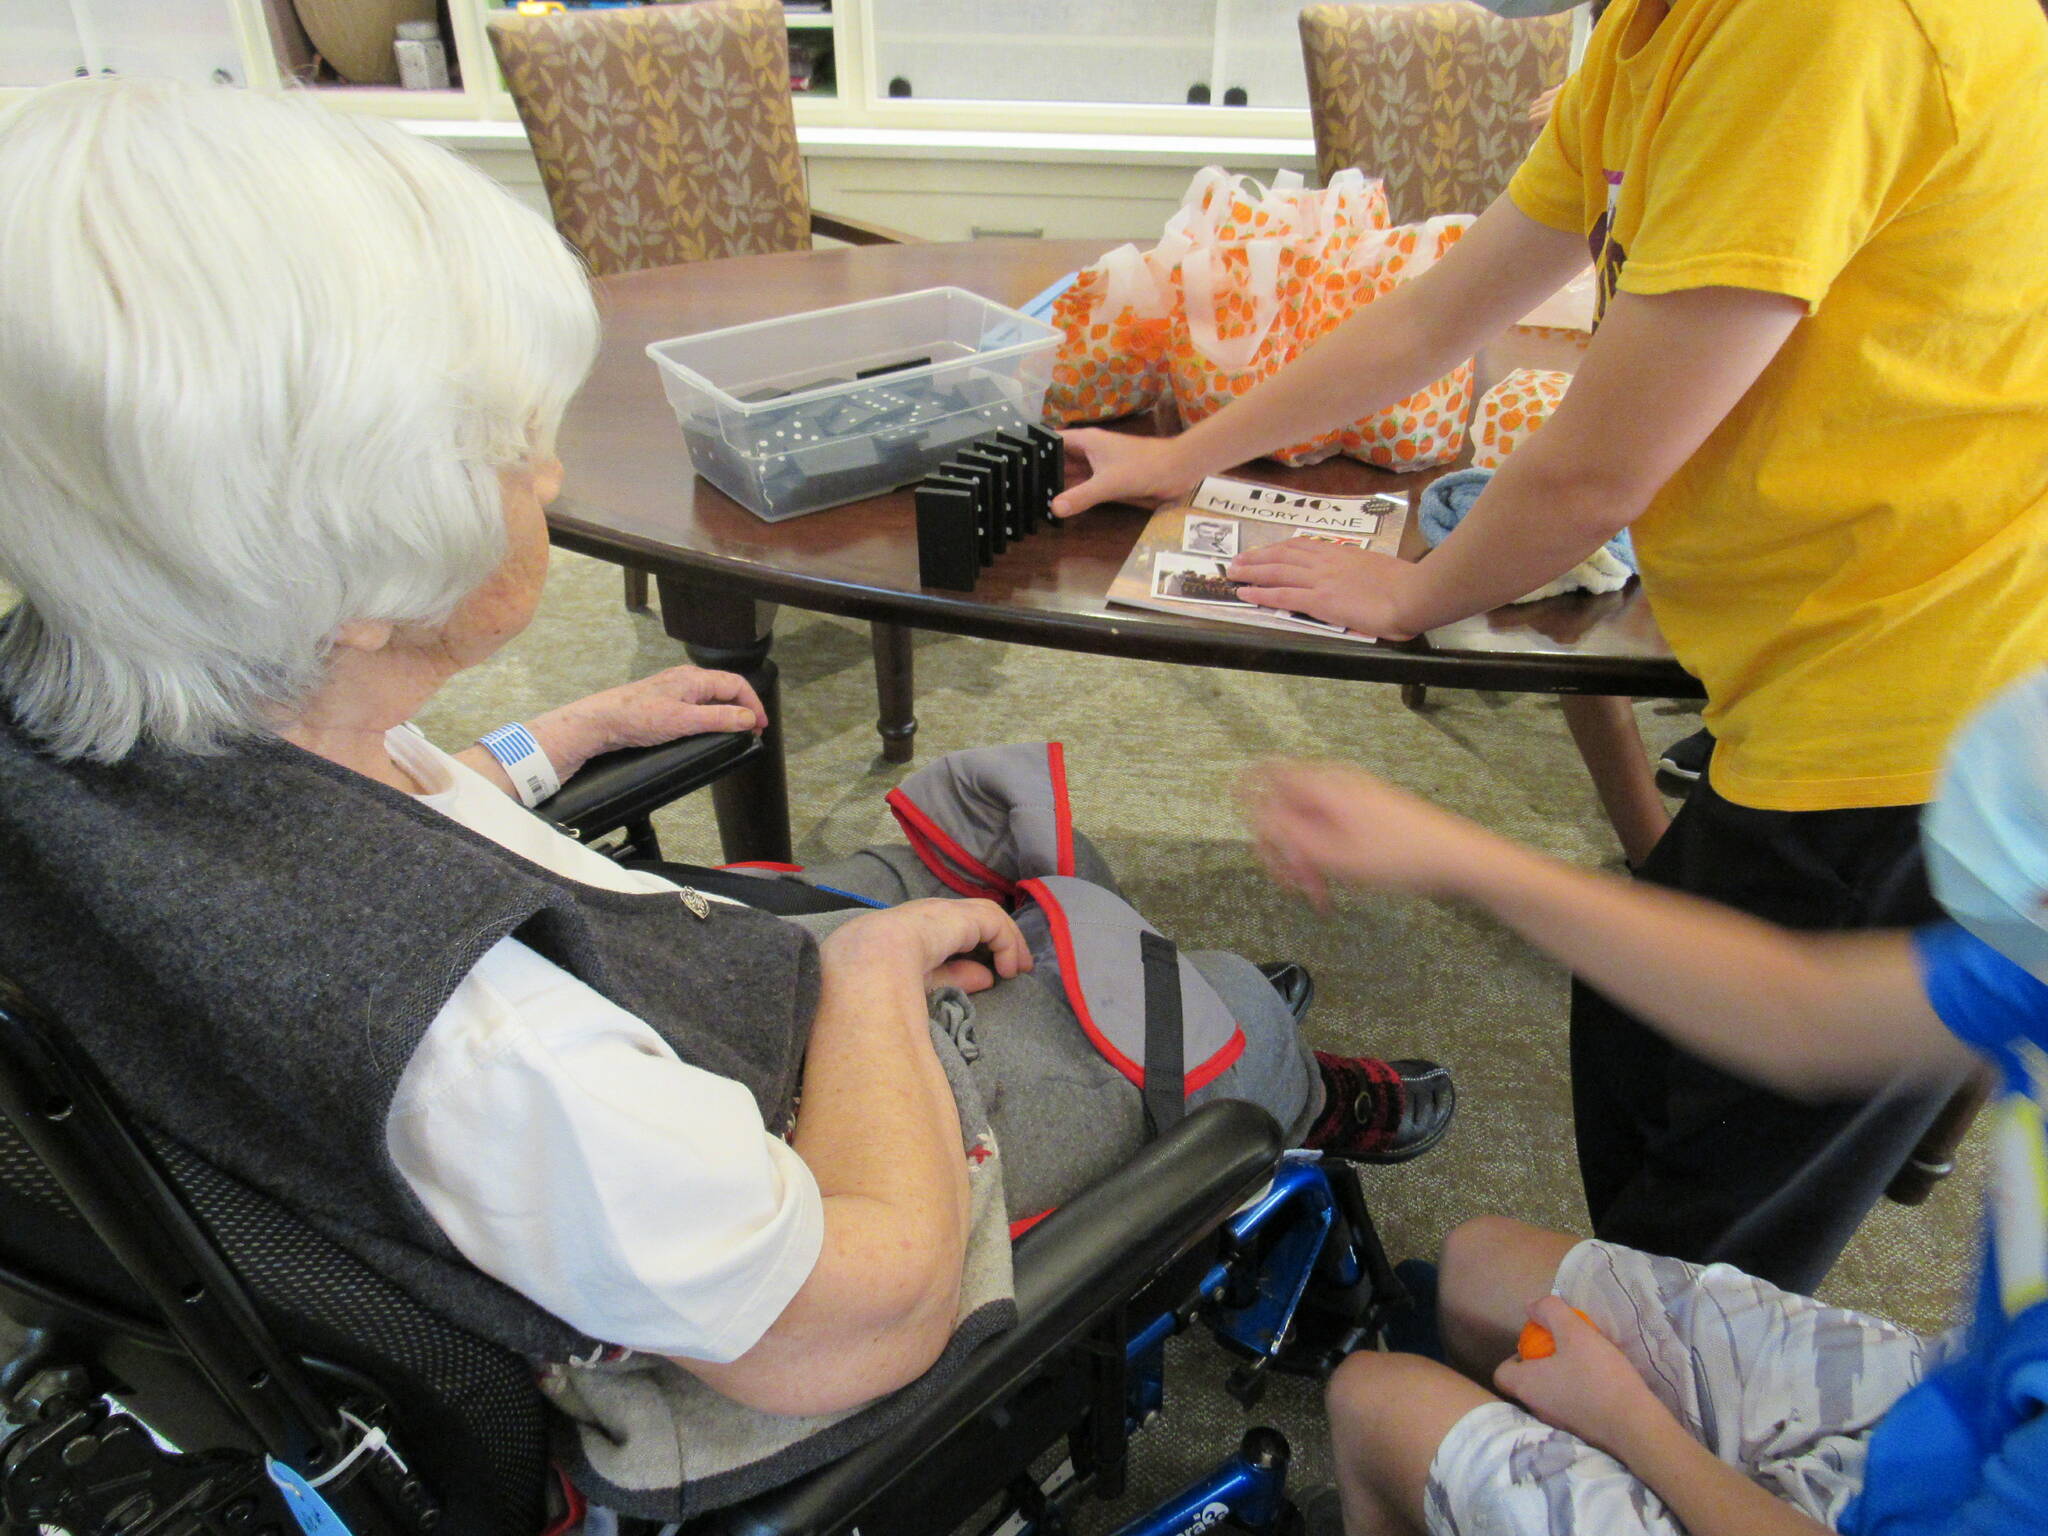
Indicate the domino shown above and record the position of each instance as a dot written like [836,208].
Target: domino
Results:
[948,552]
[988,497]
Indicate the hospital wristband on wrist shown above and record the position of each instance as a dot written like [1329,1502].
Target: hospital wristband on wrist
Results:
[525,764]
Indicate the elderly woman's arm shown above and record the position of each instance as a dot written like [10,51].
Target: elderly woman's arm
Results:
[880,1132]
[683,701]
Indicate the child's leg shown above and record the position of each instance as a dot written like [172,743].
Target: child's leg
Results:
[1491,1269]
[1777,1385]
[1604,730]
[1421,1449]
[1388,1415]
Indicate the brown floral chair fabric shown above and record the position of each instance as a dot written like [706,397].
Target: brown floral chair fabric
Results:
[1434,98]
[664,134]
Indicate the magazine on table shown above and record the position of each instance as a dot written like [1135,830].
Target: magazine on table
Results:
[1181,563]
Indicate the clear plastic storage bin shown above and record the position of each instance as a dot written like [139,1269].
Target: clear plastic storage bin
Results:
[794,415]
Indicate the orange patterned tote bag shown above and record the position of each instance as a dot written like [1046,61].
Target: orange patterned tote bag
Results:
[1267,272]
[1250,258]
[1511,411]
[1113,322]
[1428,428]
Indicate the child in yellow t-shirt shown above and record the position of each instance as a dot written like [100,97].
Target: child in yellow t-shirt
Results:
[1819,397]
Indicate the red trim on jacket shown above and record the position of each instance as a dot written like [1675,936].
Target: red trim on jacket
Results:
[1024,1224]
[1062,812]
[575,1505]
[936,847]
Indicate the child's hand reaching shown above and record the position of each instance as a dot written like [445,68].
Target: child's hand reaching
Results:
[1319,823]
[1586,1386]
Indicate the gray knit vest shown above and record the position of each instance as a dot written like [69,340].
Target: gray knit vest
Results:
[251,945]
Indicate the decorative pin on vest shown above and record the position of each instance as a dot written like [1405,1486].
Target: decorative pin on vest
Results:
[694,900]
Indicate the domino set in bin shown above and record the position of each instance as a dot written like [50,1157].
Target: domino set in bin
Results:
[794,415]
[985,500]
[840,449]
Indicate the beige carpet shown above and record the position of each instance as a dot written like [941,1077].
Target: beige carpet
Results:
[1155,752]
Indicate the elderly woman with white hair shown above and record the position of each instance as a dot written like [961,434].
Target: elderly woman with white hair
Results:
[278,391]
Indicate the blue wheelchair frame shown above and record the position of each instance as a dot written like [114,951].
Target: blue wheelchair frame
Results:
[1278,1251]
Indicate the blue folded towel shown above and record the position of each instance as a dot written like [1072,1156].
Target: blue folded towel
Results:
[1448,499]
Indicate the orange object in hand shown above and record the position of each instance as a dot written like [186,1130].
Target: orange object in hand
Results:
[1537,1343]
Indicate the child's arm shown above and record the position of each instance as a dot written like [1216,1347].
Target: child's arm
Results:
[1808,1014]
[1709,1497]
[1660,376]
[1589,1389]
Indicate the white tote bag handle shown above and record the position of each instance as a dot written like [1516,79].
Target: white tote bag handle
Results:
[1342,195]
[1208,201]
[1128,282]
[1196,220]
[1198,283]
[1164,259]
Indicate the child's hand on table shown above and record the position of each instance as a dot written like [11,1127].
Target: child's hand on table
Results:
[1367,592]
[1125,467]
[1585,1386]
[1319,823]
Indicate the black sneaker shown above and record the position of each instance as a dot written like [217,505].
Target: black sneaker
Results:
[1378,1111]
[1292,981]
[1687,759]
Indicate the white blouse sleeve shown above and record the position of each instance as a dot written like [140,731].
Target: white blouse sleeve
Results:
[567,1151]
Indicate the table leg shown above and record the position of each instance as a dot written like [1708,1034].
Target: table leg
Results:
[734,634]
[1604,730]
[895,690]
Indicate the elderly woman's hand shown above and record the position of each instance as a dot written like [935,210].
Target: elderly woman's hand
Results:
[949,943]
[683,701]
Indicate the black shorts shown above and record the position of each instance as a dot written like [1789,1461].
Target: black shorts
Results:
[1678,1157]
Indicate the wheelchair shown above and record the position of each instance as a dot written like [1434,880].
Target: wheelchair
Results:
[192,1360]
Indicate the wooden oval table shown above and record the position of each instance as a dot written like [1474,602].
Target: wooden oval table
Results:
[631,498]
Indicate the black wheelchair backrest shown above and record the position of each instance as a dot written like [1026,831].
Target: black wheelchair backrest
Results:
[154,1273]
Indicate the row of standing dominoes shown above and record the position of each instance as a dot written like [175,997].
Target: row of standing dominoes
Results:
[983,501]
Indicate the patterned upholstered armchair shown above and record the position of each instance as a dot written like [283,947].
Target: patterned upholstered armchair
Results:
[665,134]
[1434,98]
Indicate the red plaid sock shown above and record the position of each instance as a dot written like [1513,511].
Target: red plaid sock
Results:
[1363,1099]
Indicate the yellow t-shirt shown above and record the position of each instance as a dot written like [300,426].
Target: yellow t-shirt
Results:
[1858,555]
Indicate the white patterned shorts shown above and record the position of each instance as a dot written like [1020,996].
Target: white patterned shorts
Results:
[1776,1384]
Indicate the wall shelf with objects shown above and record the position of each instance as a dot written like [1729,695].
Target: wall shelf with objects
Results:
[947,118]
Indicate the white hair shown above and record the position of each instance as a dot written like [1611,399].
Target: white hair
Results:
[260,365]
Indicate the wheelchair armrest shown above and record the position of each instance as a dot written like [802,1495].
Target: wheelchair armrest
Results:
[1073,1269]
[620,787]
